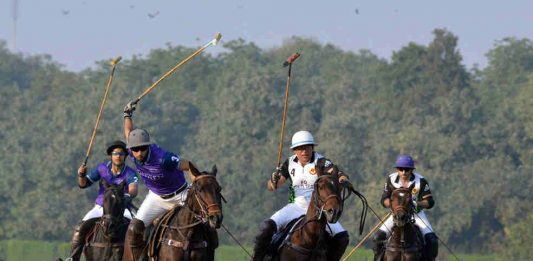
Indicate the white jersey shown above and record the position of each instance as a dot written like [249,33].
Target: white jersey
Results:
[303,178]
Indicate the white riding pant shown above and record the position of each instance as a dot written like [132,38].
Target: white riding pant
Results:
[291,211]
[98,211]
[153,206]
[421,221]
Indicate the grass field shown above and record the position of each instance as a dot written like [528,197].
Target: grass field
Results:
[25,250]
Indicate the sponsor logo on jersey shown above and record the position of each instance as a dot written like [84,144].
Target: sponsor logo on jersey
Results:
[312,171]
[414,191]
[426,187]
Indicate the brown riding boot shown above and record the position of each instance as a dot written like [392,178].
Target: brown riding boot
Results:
[134,245]
[379,245]
[263,239]
[78,239]
[337,245]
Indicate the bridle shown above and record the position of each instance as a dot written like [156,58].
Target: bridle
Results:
[111,223]
[204,205]
[203,215]
[319,203]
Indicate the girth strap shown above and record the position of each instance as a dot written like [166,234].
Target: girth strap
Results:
[103,245]
[185,245]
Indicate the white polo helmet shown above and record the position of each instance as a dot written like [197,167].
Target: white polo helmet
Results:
[301,138]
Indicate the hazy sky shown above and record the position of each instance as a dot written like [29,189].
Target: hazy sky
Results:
[79,32]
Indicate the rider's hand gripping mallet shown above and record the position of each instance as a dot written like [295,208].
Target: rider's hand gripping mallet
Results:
[113,64]
[212,42]
[287,62]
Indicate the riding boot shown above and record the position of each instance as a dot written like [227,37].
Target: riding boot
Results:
[78,239]
[379,244]
[134,245]
[337,245]
[431,248]
[263,239]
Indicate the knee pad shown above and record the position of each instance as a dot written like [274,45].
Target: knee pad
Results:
[341,236]
[266,231]
[340,239]
[135,231]
[432,245]
[379,236]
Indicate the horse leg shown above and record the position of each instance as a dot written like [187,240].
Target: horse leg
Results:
[263,239]
[337,245]
[134,245]
[379,245]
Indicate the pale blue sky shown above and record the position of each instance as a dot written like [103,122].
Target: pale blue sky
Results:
[79,32]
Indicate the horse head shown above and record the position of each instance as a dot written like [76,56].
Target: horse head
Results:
[207,197]
[327,195]
[402,205]
[114,206]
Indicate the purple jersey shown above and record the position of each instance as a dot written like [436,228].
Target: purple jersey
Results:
[160,171]
[104,171]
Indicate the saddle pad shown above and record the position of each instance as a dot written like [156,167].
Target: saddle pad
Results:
[279,237]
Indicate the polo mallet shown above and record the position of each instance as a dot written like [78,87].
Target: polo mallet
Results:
[113,64]
[212,42]
[381,221]
[289,63]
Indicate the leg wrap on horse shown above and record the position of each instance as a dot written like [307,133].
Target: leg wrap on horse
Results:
[379,244]
[262,240]
[337,245]
[134,245]
[431,249]
[78,238]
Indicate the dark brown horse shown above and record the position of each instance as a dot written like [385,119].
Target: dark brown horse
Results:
[188,232]
[307,240]
[405,240]
[107,242]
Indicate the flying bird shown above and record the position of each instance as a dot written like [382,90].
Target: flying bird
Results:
[132,6]
[65,12]
[356,11]
[154,14]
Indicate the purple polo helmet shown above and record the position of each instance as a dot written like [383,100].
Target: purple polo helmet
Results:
[405,161]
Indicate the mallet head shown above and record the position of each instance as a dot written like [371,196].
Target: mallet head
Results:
[291,59]
[116,60]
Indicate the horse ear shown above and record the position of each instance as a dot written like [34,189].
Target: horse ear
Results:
[214,170]
[194,170]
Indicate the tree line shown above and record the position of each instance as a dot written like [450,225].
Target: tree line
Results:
[469,129]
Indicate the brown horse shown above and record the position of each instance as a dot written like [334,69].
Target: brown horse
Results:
[107,242]
[405,240]
[188,232]
[307,241]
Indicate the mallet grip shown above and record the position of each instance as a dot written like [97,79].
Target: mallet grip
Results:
[291,59]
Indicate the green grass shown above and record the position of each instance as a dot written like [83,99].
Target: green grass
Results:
[22,250]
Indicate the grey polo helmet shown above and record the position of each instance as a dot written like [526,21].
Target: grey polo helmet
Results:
[138,138]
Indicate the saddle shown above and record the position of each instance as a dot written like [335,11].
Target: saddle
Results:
[279,238]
